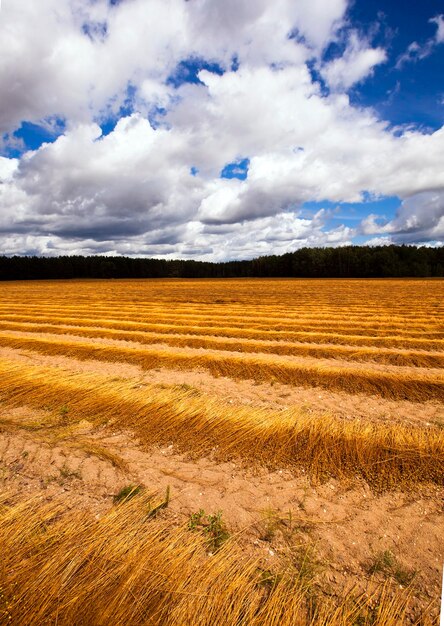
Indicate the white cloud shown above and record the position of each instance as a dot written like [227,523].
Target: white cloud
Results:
[277,234]
[319,21]
[55,63]
[379,241]
[7,169]
[121,185]
[419,218]
[356,64]
[416,52]
[439,21]
[132,192]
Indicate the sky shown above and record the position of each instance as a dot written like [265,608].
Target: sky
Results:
[219,130]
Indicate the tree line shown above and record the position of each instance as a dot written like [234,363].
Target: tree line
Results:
[345,262]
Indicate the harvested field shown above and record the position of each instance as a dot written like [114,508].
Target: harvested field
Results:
[302,420]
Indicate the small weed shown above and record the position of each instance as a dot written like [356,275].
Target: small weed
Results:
[382,562]
[271,522]
[47,480]
[216,530]
[305,565]
[126,493]
[196,520]
[387,564]
[403,576]
[25,454]
[268,580]
[188,388]
[153,510]
[63,414]
[65,472]
[212,526]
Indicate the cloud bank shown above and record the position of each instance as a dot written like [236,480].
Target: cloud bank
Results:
[149,102]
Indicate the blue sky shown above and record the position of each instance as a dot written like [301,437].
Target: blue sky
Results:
[411,93]
[220,130]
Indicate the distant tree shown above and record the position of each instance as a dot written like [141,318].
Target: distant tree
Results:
[344,262]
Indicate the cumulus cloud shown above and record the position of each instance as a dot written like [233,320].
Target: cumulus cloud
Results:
[419,218]
[154,187]
[118,186]
[7,169]
[277,234]
[356,64]
[76,57]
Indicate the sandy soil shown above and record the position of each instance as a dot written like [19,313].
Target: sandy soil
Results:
[263,356]
[346,523]
[314,400]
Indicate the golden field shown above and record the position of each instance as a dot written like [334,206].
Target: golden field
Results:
[303,420]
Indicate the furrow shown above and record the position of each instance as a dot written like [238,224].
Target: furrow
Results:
[270,335]
[350,353]
[411,386]
[250,319]
[382,454]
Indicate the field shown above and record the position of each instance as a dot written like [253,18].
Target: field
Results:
[233,452]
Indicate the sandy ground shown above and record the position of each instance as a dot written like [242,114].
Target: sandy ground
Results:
[313,400]
[345,523]
[263,356]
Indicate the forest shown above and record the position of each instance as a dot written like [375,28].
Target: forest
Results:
[344,262]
